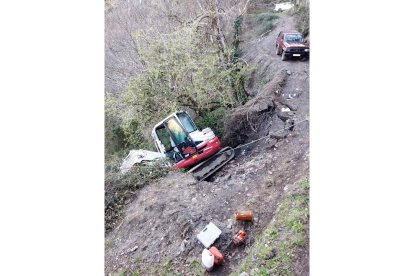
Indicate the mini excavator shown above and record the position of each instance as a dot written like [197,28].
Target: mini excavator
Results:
[179,140]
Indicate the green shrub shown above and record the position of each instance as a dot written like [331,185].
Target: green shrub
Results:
[264,22]
[302,20]
[114,135]
[213,119]
[184,69]
[119,189]
[265,17]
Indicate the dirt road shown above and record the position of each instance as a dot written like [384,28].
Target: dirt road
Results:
[158,234]
[262,51]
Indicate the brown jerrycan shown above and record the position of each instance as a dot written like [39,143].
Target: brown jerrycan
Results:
[218,257]
[243,215]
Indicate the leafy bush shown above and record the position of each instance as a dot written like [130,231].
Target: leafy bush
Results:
[265,17]
[119,189]
[183,69]
[114,135]
[213,120]
[302,20]
[263,22]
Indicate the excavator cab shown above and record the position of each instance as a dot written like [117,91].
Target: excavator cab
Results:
[182,142]
[175,137]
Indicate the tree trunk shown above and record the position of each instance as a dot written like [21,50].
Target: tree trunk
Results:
[221,36]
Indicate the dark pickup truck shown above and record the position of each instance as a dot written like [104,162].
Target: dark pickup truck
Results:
[291,44]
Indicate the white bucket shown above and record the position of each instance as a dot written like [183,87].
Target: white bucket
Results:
[207,260]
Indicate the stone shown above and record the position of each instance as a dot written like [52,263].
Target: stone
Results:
[182,246]
[277,130]
[284,113]
[132,249]
[289,124]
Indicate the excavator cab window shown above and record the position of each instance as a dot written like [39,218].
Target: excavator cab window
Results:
[178,133]
[180,138]
[170,148]
[186,121]
[164,137]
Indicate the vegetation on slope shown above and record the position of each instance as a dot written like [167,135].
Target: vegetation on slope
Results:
[182,70]
[275,250]
[193,63]
[301,15]
[119,189]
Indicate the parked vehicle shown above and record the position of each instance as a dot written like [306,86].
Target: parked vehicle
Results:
[291,44]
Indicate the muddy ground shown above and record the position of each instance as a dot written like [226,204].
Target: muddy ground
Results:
[158,233]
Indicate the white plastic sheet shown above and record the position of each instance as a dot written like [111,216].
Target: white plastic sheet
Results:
[138,156]
[209,234]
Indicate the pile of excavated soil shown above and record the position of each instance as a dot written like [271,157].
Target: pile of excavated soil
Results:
[266,114]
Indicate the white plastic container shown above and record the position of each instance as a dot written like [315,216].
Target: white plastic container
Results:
[207,260]
[209,234]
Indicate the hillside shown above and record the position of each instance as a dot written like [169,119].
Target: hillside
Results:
[155,234]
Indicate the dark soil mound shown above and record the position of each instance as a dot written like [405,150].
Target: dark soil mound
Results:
[266,114]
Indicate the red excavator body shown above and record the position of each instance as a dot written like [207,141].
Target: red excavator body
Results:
[186,146]
[204,150]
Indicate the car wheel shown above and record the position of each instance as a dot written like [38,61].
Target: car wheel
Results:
[277,50]
[284,57]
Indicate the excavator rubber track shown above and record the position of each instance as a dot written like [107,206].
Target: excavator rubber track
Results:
[212,164]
